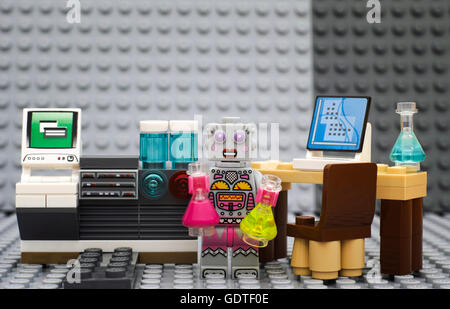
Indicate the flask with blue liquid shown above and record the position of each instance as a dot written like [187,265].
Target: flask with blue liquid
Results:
[407,150]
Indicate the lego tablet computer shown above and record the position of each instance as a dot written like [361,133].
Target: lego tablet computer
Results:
[339,123]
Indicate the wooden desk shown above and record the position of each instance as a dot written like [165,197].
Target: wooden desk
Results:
[400,191]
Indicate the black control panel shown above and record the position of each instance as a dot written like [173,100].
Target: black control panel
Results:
[108,184]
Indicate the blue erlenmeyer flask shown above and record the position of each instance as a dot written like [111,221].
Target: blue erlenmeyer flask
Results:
[407,150]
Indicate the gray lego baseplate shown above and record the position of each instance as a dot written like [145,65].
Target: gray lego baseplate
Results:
[405,57]
[274,275]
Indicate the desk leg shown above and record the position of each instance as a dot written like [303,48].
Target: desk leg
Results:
[396,237]
[267,254]
[417,230]
[277,248]
[281,215]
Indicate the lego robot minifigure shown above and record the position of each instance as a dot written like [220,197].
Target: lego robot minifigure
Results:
[230,145]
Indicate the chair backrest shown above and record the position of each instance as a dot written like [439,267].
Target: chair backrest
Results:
[348,196]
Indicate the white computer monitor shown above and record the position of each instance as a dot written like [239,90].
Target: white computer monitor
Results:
[51,138]
[339,133]
[339,123]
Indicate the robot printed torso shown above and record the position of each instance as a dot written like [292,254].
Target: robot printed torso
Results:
[232,192]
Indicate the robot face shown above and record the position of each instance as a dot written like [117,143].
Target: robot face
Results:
[231,140]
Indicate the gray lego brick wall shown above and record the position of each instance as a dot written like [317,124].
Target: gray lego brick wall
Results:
[406,57]
[133,60]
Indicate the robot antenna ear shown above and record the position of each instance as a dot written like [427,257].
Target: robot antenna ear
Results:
[250,128]
[210,128]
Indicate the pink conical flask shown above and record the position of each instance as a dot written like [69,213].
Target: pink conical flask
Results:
[200,217]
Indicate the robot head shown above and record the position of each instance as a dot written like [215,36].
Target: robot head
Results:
[231,140]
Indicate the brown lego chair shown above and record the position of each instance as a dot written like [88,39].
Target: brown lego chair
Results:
[336,242]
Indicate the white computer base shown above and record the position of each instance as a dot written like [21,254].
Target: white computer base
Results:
[316,160]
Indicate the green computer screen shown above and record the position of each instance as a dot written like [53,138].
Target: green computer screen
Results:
[51,129]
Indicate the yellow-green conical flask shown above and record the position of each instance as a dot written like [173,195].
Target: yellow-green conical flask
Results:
[259,225]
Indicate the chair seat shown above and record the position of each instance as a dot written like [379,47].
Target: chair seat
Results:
[328,234]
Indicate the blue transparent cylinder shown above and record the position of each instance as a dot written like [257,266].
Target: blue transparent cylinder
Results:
[154,149]
[183,148]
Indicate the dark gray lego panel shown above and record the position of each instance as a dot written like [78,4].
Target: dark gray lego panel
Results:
[101,186]
[109,162]
[150,218]
[48,223]
[109,221]
[168,184]
[160,217]
[406,57]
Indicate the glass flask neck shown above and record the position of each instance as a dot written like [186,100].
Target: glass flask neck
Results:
[406,122]
[263,205]
[199,195]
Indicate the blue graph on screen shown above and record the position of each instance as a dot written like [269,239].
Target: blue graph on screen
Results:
[338,123]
